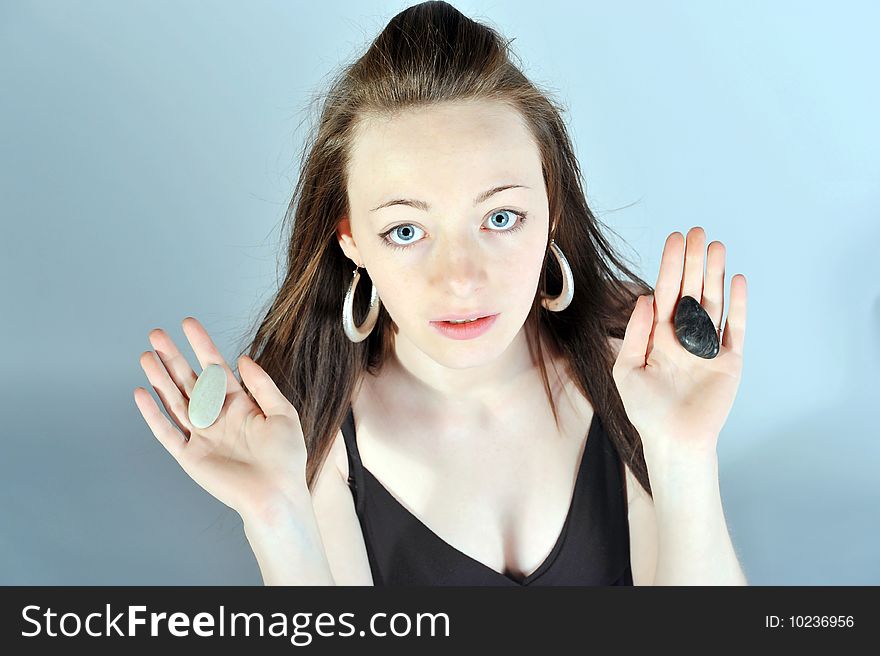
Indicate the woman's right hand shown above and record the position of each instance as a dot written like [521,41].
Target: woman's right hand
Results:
[253,457]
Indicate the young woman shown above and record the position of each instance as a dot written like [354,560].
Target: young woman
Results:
[373,441]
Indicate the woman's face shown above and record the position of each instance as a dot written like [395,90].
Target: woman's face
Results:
[445,247]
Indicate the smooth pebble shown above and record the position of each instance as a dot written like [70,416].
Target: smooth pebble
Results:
[208,395]
[694,328]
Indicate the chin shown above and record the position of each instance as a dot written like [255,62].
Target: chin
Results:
[466,360]
[465,354]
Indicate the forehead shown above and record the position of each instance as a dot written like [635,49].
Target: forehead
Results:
[453,143]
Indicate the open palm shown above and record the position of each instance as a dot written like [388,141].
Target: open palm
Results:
[673,397]
[252,452]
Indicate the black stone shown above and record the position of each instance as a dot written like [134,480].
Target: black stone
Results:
[694,328]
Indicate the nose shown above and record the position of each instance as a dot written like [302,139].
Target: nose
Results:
[459,266]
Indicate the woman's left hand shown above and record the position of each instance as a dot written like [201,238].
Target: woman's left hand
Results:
[676,400]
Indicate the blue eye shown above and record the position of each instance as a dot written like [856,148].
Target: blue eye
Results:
[405,230]
[501,213]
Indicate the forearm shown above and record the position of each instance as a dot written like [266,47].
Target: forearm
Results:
[286,541]
[694,546]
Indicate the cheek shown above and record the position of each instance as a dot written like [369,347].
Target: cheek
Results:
[520,273]
[531,270]
[400,293]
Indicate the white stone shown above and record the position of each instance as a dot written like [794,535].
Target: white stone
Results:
[208,395]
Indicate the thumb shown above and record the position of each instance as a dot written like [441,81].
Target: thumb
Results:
[265,392]
[635,340]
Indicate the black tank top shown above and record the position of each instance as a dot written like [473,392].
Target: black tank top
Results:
[592,549]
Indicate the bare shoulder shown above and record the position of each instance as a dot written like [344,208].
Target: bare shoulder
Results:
[339,456]
[337,519]
[335,466]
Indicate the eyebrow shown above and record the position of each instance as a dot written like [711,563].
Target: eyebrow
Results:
[422,205]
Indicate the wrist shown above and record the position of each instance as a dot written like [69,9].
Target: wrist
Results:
[676,451]
[284,535]
[683,482]
[277,506]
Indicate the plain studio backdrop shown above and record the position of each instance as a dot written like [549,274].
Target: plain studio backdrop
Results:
[147,154]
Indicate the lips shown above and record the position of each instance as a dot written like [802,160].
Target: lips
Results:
[466,330]
[458,316]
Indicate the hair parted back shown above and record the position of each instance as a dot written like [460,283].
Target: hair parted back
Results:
[427,54]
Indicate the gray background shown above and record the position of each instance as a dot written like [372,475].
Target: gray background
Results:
[147,154]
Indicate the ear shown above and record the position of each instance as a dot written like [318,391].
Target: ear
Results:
[346,241]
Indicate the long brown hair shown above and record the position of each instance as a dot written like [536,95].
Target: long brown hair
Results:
[428,54]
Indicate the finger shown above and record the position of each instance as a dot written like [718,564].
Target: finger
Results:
[692,279]
[171,438]
[207,353]
[734,333]
[632,354]
[176,364]
[265,392]
[713,287]
[669,279]
[175,403]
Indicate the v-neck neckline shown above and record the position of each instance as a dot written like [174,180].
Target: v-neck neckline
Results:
[560,540]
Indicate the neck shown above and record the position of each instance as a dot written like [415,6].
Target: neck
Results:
[472,396]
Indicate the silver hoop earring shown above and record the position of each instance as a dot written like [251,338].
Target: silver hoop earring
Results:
[359,333]
[563,300]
